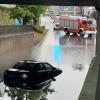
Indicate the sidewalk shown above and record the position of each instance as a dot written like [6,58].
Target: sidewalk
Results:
[89,88]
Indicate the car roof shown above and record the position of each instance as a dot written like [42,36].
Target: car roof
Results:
[31,61]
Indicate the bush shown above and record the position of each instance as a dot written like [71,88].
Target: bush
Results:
[39,29]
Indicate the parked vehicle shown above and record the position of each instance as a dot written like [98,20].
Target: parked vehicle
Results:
[31,72]
[56,27]
[56,23]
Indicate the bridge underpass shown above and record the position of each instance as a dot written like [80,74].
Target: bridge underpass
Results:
[63,51]
[96,61]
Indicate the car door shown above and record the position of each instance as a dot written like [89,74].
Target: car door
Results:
[40,72]
[48,69]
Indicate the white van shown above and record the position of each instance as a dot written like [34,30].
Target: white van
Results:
[56,27]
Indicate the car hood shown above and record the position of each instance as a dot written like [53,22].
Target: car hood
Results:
[19,70]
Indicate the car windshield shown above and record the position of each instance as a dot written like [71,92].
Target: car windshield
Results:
[89,23]
[24,66]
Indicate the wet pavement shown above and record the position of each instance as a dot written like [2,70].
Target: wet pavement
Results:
[72,54]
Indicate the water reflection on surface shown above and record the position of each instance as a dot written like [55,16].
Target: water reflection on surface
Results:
[2,89]
[8,59]
[56,54]
[74,56]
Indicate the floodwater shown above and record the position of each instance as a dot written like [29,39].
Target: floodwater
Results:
[72,54]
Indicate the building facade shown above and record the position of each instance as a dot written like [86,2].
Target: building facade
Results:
[72,10]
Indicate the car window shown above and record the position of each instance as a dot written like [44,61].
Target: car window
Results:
[47,66]
[39,67]
[24,66]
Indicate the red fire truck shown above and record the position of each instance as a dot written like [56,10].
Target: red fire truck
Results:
[80,25]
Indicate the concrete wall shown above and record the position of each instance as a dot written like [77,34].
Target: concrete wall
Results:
[14,48]
[15,42]
[13,29]
[97,95]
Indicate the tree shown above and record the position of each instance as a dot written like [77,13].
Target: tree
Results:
[37,11]
[94,14]
[28,13]
[23,94]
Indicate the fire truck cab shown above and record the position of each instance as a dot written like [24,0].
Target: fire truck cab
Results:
[82,26]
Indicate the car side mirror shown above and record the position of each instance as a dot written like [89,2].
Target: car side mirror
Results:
[53,79]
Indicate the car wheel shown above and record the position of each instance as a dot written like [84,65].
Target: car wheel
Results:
[90,35]
[66,31]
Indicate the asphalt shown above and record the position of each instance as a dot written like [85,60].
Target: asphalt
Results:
[91,87]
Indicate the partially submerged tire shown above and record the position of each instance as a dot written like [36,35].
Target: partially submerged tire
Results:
[66,31]
[81,33]
[90,35]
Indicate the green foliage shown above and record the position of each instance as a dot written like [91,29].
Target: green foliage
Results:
[22,94]
[37,10]
[28,13]
[94,14]
[5,17]
[38,29]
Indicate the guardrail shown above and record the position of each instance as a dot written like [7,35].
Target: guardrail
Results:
[11,29]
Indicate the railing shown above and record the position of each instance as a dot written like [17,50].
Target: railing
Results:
[12,29]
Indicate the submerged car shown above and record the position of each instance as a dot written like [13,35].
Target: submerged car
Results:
[30,72]
[26,85]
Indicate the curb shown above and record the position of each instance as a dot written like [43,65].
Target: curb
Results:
[42,39]
[89,87]
[16,34]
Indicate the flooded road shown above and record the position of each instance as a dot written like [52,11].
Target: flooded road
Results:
[72,54]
